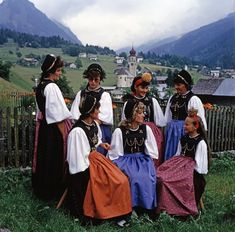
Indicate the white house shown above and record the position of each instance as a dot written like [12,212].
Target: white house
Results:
[82,55]
[73,66]
[215,73]
[119,59]
[161,85]
[92,57]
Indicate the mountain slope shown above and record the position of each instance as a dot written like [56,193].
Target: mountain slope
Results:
[212,44]
[23,16]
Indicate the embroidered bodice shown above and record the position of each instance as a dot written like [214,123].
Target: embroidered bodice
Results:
[189,145]
[91,131]
[133,140]
[179,105]
[96,93]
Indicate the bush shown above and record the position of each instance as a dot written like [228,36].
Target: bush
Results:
[222,162]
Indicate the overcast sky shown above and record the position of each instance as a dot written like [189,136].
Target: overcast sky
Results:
[121,23]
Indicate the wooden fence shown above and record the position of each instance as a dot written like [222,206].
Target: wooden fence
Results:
[17,132]
[16,136]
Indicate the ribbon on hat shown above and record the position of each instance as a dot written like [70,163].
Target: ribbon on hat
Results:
[52,55]
[183,79]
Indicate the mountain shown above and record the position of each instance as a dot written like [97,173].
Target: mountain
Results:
[153,44]
[23,16]
[213,44]
[148,46]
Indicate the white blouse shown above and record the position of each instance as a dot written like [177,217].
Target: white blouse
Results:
[201,157]
[159,118]
[194,102]
[117,150]
[106,109]
[78,149]
[55,107]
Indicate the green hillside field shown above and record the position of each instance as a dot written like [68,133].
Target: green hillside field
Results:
[21,78]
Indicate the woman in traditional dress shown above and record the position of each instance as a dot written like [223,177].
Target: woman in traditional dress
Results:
[180,179]
[177,110]
[133,149]
[51,132]
[97,188]
[95,74]
[154,116]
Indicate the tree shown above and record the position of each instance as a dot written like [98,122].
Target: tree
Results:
[5,69]
[170,78]
[78,63]
[123,54]
[63,84]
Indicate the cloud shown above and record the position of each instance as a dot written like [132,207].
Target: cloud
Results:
[121,23]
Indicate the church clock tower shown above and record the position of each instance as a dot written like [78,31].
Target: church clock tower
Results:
[132,62]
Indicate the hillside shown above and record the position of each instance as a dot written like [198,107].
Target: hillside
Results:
[23,16]
[21,77]
[212,44]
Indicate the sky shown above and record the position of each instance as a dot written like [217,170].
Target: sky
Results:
[123,23]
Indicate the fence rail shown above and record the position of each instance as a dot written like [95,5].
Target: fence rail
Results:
[17,126]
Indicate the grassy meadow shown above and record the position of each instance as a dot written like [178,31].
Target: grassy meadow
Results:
[20,211]
[21,77]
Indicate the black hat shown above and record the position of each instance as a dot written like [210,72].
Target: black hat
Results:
[130,107]
[143,80]
[87,104]
[94,68]
[184,77]
[48,62]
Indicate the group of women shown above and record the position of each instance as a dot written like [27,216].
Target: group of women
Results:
[110,175]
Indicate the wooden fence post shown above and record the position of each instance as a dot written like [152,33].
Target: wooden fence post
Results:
[16,136]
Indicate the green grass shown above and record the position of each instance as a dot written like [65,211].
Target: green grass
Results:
[21,77]
[20,211]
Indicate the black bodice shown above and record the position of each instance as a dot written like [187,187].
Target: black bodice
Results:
[91,131]
[40,98]
[189,145]
[179,105]
[133,140]
[96,93]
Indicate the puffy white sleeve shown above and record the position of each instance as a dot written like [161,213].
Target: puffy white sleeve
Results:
[99,135]
[201,158]
[106,109]
[78,150]
[196,103]
[168,114]
[56,109]
[159,118]
[75,106]
[151,148]
[116,145]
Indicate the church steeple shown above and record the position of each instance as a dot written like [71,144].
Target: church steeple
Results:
[132,61]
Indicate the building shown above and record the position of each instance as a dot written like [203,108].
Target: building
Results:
[73,66]
[124,77]
[161,85]
[119,60]
[82,55]
[92,57]
[132,62]
[215,73]
[217,91]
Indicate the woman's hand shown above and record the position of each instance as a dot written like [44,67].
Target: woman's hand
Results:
[106,146]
